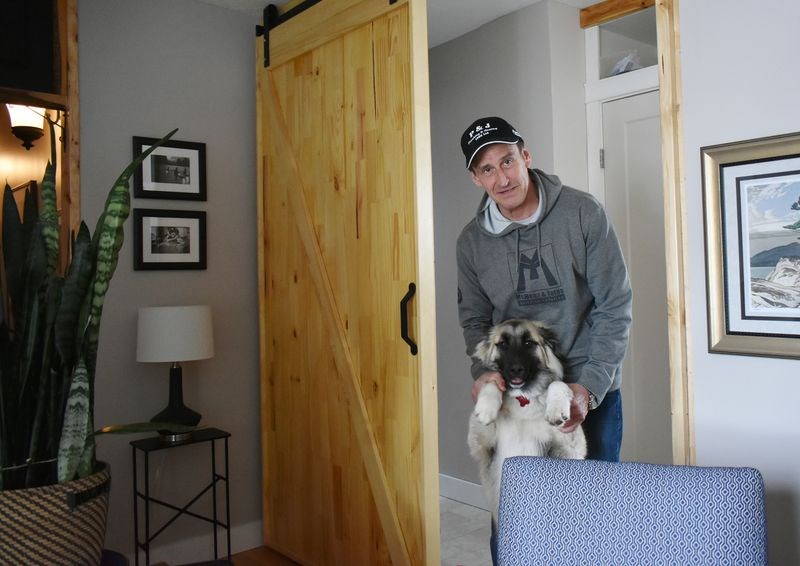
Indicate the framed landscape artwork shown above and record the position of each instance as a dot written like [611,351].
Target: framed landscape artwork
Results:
[751,196]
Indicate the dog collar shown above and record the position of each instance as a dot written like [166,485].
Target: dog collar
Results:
[522,400]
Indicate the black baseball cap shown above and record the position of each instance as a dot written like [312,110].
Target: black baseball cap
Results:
[485,131]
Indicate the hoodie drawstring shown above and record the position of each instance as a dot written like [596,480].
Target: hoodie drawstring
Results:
[539,242]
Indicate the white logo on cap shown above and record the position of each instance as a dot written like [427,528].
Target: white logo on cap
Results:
[479,131]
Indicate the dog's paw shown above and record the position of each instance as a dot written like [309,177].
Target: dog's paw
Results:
[486,412]
[487,407]
[557,415]
[559,397]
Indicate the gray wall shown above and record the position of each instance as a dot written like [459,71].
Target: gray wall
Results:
[147,67]
[740,86]
[506,68]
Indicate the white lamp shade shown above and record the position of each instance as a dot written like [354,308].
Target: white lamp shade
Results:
[21,115]
[174,334]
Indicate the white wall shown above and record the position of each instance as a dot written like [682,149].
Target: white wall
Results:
[506,68]
[741,85]
[147,67]
[567,73]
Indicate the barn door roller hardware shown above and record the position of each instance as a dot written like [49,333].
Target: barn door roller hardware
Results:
[273,19]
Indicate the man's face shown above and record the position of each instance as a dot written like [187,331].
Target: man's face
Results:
[502,171]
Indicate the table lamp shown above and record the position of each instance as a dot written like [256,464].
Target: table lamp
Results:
[175,334]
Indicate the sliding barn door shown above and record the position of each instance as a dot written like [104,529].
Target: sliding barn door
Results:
[349,428]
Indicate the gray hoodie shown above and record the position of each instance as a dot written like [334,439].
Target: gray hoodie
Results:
[565,269]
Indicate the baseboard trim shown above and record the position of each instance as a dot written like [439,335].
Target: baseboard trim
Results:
[249,535]
[462,491]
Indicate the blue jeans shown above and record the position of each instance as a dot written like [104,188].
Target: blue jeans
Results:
[603,430]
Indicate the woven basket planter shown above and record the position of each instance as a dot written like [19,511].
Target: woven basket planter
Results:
[55,524]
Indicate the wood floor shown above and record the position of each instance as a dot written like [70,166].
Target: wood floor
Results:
[261,556]
[465,532]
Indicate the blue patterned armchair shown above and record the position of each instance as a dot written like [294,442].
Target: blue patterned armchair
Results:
[625,513]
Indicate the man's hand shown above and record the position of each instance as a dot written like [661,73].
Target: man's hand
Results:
[578,409]
[485,378]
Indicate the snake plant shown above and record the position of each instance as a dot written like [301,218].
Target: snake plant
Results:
[49,333]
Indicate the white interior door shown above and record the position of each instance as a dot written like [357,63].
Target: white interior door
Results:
[634,200]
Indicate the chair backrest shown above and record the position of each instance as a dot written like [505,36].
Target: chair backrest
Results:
[556,511]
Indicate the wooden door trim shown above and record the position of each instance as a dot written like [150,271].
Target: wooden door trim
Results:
[261,202]
[296,36]
[66,101]
[609,10]
[71,166]
[667,23]
[357,407]
[426,273]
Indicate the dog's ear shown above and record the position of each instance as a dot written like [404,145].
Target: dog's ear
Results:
[549,337]
[550,349]
[485,352]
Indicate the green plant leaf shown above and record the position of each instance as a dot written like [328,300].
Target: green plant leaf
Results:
[76,285]
[30,209]
[15,247]
[49,328]
[124,178]
[107,240]
[86,464]
[49,216]
[76,424]
[28,313]
[43,390]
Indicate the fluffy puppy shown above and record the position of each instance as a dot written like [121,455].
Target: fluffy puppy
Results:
[524,420]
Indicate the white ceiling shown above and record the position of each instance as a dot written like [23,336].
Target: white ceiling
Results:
[447,19]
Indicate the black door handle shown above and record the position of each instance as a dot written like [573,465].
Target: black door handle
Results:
[404,318]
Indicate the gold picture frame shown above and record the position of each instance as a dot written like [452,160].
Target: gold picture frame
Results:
[751,202]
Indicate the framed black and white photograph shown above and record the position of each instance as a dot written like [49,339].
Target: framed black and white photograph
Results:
[175,170]
[751,196]
[169,239]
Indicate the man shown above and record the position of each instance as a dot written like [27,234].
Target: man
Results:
[538,249]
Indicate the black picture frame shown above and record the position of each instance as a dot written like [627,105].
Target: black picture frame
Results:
[169,239]
[176,170]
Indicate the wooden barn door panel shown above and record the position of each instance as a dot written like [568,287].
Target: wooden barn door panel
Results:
[348,413]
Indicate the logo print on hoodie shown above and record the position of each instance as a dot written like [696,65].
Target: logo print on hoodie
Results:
[535,280]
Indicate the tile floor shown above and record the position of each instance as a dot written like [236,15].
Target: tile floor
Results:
[465,532]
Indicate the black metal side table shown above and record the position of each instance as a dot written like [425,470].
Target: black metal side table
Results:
[148,445]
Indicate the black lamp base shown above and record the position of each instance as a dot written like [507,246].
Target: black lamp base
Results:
[176,412]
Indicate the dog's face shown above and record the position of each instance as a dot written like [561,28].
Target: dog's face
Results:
[520,350]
